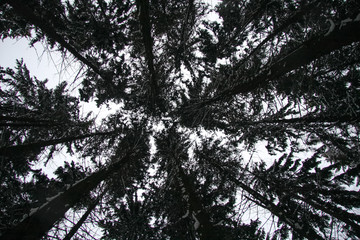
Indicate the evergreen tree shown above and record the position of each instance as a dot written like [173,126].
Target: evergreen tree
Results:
[195,96]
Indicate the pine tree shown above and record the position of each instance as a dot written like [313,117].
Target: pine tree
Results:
[195,96]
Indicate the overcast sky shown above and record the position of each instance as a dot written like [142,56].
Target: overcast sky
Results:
[40,63]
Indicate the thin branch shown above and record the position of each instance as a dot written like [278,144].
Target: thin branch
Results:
[26,12]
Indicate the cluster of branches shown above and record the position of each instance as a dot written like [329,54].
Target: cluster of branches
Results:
[282,73]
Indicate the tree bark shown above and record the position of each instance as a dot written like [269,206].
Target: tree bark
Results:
[26,119]
[304,54]
[304,120]
[206,227]
[37,224]
[145,26]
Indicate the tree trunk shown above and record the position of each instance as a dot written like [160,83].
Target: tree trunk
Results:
[26,119]
[304,120]
[206,227]
[6,150]
[145,26]
[301,227]
[34,122]
[304,54]
[76,227]
[350,219]
[295,17]
[338,213]
[25,125]
[37,224]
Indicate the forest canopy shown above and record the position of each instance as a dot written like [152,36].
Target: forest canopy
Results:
[233,121]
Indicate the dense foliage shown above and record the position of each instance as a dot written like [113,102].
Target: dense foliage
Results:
[201,91]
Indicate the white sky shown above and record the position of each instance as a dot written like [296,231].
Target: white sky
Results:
[41,63]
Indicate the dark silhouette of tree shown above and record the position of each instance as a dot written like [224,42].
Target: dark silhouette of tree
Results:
[83,218]
[195,97]
[38,222]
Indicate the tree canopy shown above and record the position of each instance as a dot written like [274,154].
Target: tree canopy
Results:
[234,121]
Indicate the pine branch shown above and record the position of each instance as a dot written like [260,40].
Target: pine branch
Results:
[27,13]
[304,54]
[36,224]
